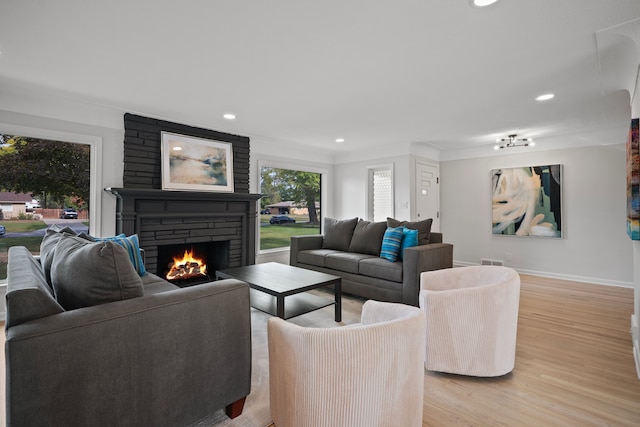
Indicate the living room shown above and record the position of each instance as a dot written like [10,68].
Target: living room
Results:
[594,247]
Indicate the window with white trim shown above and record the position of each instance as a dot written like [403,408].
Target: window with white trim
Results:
[380,191]
[290,206]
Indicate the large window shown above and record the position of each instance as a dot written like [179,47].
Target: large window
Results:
[48,176]
[290,206]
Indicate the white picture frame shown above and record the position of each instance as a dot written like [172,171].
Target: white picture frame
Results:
[196,164]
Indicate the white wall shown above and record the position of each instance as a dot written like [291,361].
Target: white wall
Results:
[594,248]
[351,182]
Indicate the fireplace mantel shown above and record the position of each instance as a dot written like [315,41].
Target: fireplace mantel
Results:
[162,217]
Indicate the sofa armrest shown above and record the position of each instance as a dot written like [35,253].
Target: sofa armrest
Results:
[434,256]
[303,243]
[148,358]
[435,237]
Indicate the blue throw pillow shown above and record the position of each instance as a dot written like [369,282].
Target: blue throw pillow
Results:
[409,239]
[391,242]
[132,245]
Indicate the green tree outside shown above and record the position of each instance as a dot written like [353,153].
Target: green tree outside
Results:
[302,188]
[57,172]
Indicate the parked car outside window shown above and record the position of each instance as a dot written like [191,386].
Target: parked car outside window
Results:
[2,230]
[68,213]
[265,211]
[281,219]
[30,206]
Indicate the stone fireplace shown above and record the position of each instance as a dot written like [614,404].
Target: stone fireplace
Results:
[162,218]
[165,221]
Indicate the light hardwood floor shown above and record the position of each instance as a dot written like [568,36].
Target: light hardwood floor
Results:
[574,365]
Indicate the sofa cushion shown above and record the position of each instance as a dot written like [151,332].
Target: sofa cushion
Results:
[87,273]
[48,246]
[345,261]
[423,227]
[391,243]
[132,246]
[337,233]
[314,256]
[367,237]
[28,294]
[381,269]
[409,240]
[153,284]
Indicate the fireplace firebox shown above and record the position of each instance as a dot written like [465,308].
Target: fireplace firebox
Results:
[192,263]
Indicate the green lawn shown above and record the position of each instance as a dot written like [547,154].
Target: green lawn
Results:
[32,243]
[19,226]
[278,236]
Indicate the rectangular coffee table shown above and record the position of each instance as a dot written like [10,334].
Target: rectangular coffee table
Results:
[281,290]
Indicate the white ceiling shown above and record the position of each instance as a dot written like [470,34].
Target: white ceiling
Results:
[374,72]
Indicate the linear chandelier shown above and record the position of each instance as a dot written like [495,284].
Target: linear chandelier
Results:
[513,141]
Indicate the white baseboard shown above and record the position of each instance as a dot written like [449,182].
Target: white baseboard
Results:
[594,280]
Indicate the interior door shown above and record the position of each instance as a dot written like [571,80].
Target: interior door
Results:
[427,194]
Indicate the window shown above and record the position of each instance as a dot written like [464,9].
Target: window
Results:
[57,173]
[290,206]
[380,200]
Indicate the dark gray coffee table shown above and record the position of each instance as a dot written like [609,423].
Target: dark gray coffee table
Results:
[281,290]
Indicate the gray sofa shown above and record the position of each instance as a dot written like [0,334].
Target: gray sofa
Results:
[168,357]
[351,249]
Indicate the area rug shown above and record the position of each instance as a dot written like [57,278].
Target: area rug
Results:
[256,408]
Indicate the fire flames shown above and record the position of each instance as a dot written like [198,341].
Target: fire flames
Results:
[186,267]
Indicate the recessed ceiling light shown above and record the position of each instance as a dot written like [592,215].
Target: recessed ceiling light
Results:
[339,140]
[482,3]
[545,97]
[177,148]
[229,116]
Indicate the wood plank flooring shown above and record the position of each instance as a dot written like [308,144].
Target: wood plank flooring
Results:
[574,365]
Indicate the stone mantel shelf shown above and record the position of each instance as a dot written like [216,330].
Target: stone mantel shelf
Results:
[147,193]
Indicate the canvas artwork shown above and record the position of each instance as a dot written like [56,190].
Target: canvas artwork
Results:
[633,182]
[527,201]
[196,164]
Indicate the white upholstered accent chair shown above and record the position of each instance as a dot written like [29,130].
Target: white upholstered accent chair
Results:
[368,374]
[472,319]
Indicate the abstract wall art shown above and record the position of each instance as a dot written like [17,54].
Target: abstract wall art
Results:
[527,201]
[633,182]
[196,164]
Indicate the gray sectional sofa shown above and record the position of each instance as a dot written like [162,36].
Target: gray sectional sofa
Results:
[351,249]
[154,354]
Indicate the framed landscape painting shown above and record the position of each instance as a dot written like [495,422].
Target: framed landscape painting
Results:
[197,164]
[527,201]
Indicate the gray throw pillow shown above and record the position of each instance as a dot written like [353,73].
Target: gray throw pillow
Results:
[337,233]
[423,227]
[367,237]
[48,246]
[85,273]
